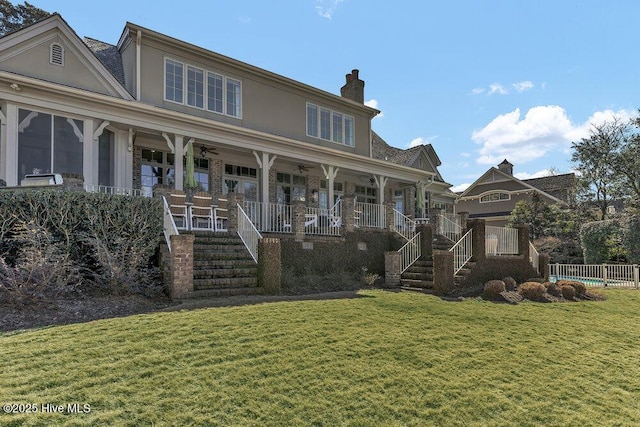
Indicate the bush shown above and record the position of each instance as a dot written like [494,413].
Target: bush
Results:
[601,241]
[553,289]
[631,237]
[533,291]
[568,292]
[493,289]
[510,283]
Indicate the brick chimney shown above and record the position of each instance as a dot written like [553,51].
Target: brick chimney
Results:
[506,167]
[353,88]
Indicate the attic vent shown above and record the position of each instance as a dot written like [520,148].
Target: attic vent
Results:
[56,54]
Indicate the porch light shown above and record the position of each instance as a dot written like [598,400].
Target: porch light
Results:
[314,195]
[203,151]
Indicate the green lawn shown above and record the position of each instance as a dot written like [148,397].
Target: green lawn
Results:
[380,359]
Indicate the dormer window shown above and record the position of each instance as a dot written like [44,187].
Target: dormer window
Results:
[56,54]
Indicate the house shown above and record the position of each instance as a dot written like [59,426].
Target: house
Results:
[494,195]
[121,117]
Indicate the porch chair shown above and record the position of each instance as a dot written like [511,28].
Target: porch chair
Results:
[201,212]
[221,215]
[178,208]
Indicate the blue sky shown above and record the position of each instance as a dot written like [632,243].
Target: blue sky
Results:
[481,80]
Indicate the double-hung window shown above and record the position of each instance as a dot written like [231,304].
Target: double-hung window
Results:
[195,87]
[174,75]
[330,125]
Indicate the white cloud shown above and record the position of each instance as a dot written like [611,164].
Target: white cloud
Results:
[522,86]
[421,141]
[542,130]
[477,90]
[244,19]
[497,88]
[460,187]
[373,103]
[539,174]
[326,8]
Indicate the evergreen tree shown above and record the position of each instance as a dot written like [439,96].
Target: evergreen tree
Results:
[13,18]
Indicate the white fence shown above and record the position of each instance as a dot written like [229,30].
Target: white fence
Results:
[169,225]
[269,217]
[323,221]
[410,253]
[449,226]
[501,241]
[248,233]
[534,257]
[462,251]
[598,275]
[404,225]
[369,215]
[91,188]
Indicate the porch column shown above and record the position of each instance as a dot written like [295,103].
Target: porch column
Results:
[123,159]
[89,170]
[177,147]
[348,220]
[265,162]
[380,181]
[10,145]
[330,174]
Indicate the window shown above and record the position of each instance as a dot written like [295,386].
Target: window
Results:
[338,191]
[223,95]
[56,54]
[366,194]
[49,144]
[173,81]
[329,125]
[495,197]
[157,167]
[290,188]
[195,87]
[241,179]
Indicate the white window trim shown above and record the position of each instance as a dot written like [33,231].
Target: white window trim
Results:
[489,193]
[320,108]
[51,47]
[205,74]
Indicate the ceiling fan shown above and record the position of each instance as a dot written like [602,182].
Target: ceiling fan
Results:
[304,168]
[204,151]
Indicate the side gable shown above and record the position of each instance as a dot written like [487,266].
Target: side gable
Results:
[27,52]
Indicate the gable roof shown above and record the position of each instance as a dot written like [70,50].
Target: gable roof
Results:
[556,185]
[109,56]
[26,36]
[383,151]
[545,184]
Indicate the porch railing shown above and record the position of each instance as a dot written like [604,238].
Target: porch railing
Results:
[369,215]
[92,188]
[462,251]
[410,252]
[609,275]
[323,221]
[501,240]
[449,226]
[269,217]
[404,225]
[248,233]
[534,257]
[169,225]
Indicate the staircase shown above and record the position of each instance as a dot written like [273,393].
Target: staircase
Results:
[222,266]
[419,277]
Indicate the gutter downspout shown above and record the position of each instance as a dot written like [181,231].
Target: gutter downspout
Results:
[138,73]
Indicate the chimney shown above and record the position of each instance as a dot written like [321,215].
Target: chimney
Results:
[506,167]
[353,88]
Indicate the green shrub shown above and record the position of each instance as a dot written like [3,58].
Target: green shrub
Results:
[510,283]
[568,292]
[533,291]
[601,241]
[579,287]
[553,289]
[631,238]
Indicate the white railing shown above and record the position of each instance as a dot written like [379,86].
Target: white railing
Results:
[462,252]
[449,226]
[410,253]
[404,225]
[269,217]
[92,188]
[323,221]
[501,240]
[597,275]
[169,225]
[369,215]
[248,233]
[534,257]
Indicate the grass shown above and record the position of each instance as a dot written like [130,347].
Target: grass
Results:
[380,359]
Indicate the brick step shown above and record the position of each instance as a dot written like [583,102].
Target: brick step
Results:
[412,283]
[205,273]
[417,276]
[209,263]
[225,292]
[215,255]
[225,282]
[419,269]
[421,263]
[197,246]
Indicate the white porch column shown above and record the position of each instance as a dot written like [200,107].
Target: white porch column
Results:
[265,162]
[177,148]
[381,182]
[9,151]
[330,174]
[89,154]
[123,159]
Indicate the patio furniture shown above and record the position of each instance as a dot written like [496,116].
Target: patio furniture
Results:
[221,215]
[179,210]
[201,212]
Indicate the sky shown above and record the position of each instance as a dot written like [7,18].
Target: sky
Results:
[480,80]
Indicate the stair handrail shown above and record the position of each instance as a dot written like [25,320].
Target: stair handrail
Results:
[449,229]
[410,252]
[169,225]
[403,225]
[534,257]
[462,251]
[248,233]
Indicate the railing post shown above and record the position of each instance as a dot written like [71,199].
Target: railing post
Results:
[389,211]
[298,219]
[478,248]
[523,240]
[426,241]
[604,274]
[392,264]
[464,217]
[233,200]
[182,266]
[543,266]
[636,276]
[269,265]
[443,280]
[348,206]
